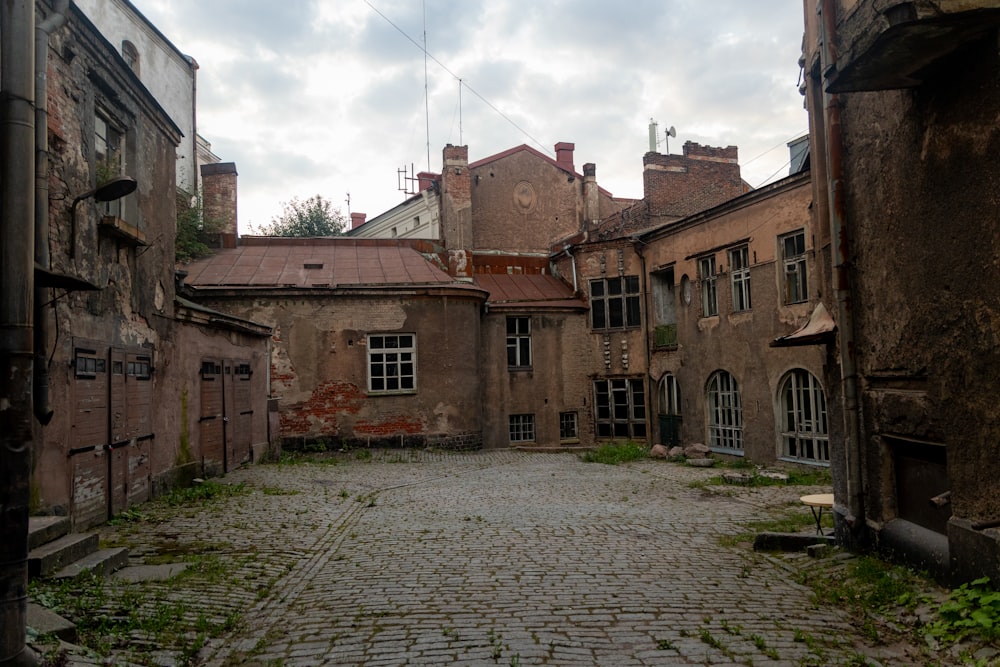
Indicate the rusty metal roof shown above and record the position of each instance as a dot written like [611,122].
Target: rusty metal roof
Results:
[321,263]
[535,290]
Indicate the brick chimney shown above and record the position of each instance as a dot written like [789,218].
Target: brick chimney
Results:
[357,219]
[456,210]
[591,197]
[564,155]
[681,185]
[218,184]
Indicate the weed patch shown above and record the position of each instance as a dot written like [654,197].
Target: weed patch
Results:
[204,493]
[614,453]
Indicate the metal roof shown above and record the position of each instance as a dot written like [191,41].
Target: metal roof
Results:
[298,263]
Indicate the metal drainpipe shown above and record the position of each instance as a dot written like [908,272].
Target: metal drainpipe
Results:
[644,311]
[40,380]
[17,118]
[841,251]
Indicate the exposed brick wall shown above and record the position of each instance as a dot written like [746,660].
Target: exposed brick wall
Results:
[703,177]
[218,183]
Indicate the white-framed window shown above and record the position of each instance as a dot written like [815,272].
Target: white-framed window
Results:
[522,428]
[614,303]
[392,363]
[793,257]
[709,295]
[518,342]
[804,429]
[567,426]
[620,408]
[725,413]
[739,271]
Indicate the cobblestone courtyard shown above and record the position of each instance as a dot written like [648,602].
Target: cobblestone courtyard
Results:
[490,558]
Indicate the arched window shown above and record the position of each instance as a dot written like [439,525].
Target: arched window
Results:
[131,56]
[725,414]
[804,434]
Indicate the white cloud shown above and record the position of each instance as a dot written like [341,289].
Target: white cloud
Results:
[328,97]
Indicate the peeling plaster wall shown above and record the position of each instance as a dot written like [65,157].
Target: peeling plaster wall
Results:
[319,368]
[556,382]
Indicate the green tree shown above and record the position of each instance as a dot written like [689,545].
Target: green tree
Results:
[315,216]
[197,234]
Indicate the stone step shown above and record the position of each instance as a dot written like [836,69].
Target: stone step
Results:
[44,529]
[101,563]
[46,622]
[56,555]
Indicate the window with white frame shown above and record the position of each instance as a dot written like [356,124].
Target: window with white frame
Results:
[522,428]
[392,362]
[793,257]
[567,426]
[709,296]
[725,414]
[804,434]
[739,271]
[518,342]
[620,408]
[614,303]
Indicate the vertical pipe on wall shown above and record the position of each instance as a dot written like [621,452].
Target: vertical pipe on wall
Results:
[841,255]
[17,212]
[40,381]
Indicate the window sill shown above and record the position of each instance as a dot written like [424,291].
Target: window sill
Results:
[673,347]
[121,230]
[519,369]
[402,392]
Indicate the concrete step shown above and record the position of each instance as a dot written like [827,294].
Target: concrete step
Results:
[43,529]
[56,555]
[102,563]
[46,622]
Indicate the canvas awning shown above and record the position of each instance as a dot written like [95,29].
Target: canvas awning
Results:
[817,331]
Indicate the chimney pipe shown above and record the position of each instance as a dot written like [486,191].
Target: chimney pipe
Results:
[564,155]
[357,219]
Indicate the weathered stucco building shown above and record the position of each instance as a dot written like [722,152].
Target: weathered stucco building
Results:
[903,100]
[124,363]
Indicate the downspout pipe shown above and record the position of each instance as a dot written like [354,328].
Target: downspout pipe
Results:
[40,380]
[17,203]
[841,255]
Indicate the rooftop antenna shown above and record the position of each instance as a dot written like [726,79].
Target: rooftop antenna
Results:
[405,180]
[427,108]
[348,205]
[652,135]
[666,140]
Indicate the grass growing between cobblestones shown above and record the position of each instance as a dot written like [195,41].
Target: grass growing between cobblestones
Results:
[123,622]
[614,453]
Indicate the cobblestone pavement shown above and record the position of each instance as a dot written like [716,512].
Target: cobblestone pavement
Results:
[502,557]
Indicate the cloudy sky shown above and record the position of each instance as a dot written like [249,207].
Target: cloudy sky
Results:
[328,96]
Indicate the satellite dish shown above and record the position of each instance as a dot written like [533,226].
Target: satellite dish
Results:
[672,132]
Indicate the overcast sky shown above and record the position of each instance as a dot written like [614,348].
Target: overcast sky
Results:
[328,96]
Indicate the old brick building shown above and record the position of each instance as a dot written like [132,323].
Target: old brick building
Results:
[132,399]
[491,340]
[693,312]
[903,100]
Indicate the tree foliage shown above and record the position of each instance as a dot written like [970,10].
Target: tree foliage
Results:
[315,216]
[197,234]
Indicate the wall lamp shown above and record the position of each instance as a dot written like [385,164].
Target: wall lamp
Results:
[114,189]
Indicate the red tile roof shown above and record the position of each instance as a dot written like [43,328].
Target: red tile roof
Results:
[535,290]
[292,263]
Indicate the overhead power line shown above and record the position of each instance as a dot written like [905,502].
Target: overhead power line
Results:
[460,80]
